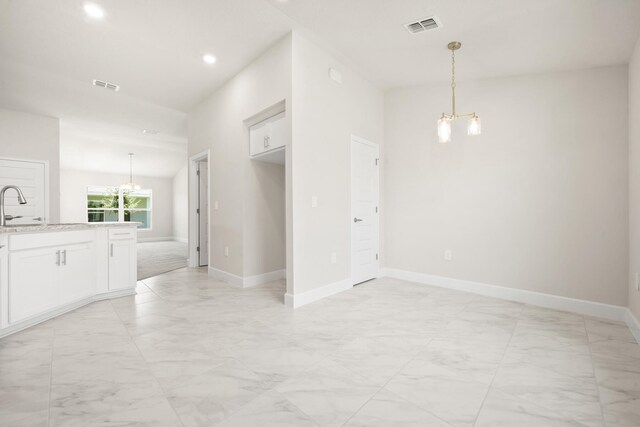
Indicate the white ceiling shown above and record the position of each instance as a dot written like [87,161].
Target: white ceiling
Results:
[499,37]
[50,51]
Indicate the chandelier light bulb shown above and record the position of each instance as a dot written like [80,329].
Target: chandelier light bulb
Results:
[444,130]
[474,127]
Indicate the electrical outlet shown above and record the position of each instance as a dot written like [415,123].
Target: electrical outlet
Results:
[334,257]
[314,201]
[638,282]
[448,255]
[226,251]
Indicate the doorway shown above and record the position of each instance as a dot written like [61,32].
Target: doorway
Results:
[365,201]
[199,210]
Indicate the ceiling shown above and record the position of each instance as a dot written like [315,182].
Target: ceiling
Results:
[50,52]
[499,37]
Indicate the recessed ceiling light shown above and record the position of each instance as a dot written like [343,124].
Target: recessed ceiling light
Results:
[150,131]
[208,58]
[94,11]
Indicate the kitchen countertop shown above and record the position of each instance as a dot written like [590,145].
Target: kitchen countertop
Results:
[30,228]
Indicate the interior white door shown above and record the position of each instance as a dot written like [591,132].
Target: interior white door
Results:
[203,212]
[30,177]
[365,228]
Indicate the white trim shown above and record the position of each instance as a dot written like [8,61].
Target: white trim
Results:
[249,281]
[260,279]
[42,317]
[633,324]
[358,140]
[222,275]
[193,198]
[556,302]
[155,239]
[308,297]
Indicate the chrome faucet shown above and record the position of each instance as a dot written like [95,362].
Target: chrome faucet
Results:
[21,200]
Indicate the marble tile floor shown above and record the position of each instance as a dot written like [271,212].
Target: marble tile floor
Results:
[189,351]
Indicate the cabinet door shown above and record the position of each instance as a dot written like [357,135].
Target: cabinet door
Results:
[258,138]
[122,264]
[277,132]
[33,280]
[77,272]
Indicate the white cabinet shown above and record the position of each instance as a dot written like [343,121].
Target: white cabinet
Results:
[122,259]
[122,264]
[268,135]
[77,273]
[32,282]
[45,273]
[42,279]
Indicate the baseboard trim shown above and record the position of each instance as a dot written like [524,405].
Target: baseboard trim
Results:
[226,277]
[155,239]
[259,279]
[249,281]
[180,239]
[308,297]
[633,324]
[556,302]
[43,317]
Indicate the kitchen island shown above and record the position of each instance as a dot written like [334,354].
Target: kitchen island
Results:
[50,269]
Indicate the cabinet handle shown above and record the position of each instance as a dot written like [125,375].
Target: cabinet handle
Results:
[57,257]
[264,142]
[112,250]
[268,140]
[64,257]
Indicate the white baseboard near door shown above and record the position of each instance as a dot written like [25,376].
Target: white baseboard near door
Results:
[556,302]
[634,324]
[296,301]
[155,239]
[248,281]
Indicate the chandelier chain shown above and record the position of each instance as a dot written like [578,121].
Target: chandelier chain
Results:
[453,82]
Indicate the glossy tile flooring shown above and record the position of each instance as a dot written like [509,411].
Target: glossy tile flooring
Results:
[189,351]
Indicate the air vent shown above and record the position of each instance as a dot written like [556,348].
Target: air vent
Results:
[106,85]
[423,25]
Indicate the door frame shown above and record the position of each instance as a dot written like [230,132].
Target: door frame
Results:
[193,260]
[356,139]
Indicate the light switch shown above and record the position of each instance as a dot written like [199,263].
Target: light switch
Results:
[314,201]
[226,251]
[334,257]
[215,205]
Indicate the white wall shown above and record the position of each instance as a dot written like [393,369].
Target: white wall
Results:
[181,204]
[537,202]
[34,137]
[325,115]
[634,179]
[73,199]
[218,124]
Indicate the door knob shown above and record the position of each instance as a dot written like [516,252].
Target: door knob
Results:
[357,220]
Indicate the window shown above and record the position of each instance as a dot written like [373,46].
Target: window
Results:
[112,204]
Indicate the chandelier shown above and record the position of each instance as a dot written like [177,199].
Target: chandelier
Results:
[444,123]
[130,186]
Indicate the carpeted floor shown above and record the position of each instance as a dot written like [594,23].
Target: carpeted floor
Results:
[155,258]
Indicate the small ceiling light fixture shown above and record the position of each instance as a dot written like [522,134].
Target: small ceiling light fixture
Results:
[130,186]
[444,123]
[208,58]
[94,11]
[150,131]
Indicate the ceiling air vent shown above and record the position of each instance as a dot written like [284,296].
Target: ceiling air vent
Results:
[106,85]
[423,25]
